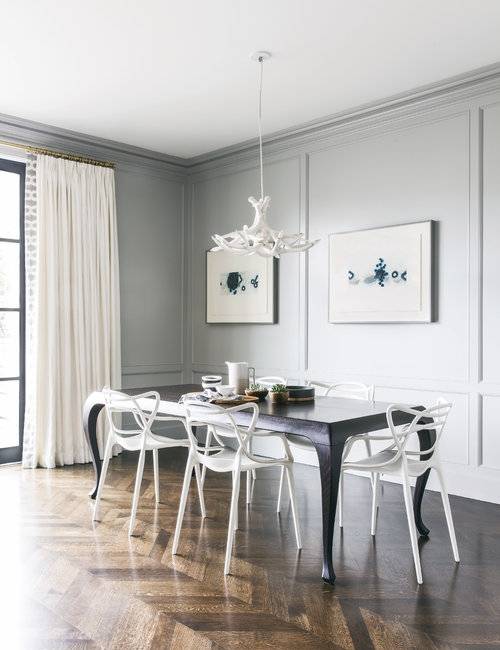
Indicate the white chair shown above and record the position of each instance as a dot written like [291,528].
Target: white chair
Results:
[397,460]
[223,458]
[349,390]
[143,408]
[270,381]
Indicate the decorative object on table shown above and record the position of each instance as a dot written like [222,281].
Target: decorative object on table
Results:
[239,373]
[211,381]
[258,391]
[382,275]
[278,394]
[234,400]
[241,289]
[260,238]
[300,393]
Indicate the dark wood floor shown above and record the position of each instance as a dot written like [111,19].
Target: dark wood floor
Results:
[69,584]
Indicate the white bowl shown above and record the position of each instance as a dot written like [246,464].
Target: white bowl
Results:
[225,391]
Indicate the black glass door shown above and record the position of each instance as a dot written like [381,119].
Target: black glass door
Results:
[12,175]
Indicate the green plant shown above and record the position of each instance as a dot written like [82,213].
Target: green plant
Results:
[278,388]
[257,387]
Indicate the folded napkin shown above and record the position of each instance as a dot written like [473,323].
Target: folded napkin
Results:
[208,395]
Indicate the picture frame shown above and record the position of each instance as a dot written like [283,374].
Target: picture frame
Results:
[382,275]
[241,289]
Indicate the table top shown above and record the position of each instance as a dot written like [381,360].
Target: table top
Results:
[324,417]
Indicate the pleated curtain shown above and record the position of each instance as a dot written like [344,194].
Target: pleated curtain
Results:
[73,312]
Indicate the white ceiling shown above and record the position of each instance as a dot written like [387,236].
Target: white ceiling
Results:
[175,75]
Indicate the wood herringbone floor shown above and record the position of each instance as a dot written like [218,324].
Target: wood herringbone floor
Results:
[69,584]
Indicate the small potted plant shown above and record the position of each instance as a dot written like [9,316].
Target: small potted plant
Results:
[257,390]
[278,393]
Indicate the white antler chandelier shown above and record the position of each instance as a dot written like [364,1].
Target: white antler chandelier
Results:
[260,238]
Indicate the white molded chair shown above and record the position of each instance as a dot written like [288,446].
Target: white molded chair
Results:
[397,460]
[221,458]
[349,390]
[143,408]
[269,381]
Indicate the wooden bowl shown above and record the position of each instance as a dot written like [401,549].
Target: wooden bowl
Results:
[279,398]
[259,394]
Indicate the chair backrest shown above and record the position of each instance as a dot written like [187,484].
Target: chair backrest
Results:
[270,381]
[430,419]
[221,420]
[118,403]
[348,389]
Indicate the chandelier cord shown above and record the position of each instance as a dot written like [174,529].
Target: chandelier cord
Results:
[261,61]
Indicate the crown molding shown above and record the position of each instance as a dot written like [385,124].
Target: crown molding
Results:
[425,98]
[27,132]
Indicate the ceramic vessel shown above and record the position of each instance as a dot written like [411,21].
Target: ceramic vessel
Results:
[279,398]
[239,375]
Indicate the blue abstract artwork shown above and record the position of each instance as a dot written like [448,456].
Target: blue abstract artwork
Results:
[236,282]
[380,275]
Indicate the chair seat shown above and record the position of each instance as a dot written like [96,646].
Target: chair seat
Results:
[376,462]
[223,461]
[134,443]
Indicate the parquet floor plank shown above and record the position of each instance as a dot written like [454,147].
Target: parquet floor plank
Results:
[72,583]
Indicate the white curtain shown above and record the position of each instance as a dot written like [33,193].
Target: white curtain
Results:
[73,343]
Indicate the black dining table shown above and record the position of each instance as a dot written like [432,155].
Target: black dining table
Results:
[327,422]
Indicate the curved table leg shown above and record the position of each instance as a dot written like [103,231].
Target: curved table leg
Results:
[426,438]
[91,410]
[330,462]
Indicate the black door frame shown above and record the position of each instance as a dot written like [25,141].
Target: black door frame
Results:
[14,454]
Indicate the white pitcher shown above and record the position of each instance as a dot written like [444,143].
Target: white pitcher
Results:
[238,375]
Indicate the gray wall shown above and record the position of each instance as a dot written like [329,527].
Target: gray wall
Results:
[150,239]
[433,161]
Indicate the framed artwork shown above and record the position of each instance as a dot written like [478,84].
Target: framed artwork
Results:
[382,275]
[240,288]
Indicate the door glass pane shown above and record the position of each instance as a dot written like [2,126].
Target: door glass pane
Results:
[9,344]
[9,274]
[9,413]
[9,205]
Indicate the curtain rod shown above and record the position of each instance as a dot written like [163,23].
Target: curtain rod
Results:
[59,154]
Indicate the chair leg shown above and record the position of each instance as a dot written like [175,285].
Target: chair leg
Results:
[156,473]
[374,502]
[293,503]
[232,516]
[107,456]
[411,525]
[199,483]
[340,499]
[280,489]
[369,452]
[208,442]
[249,486]
[447,512]
[254,473]
[137,490]
[182,503]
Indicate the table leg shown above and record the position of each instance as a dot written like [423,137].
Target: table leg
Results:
[426,438]
[330,462]
[91,410]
